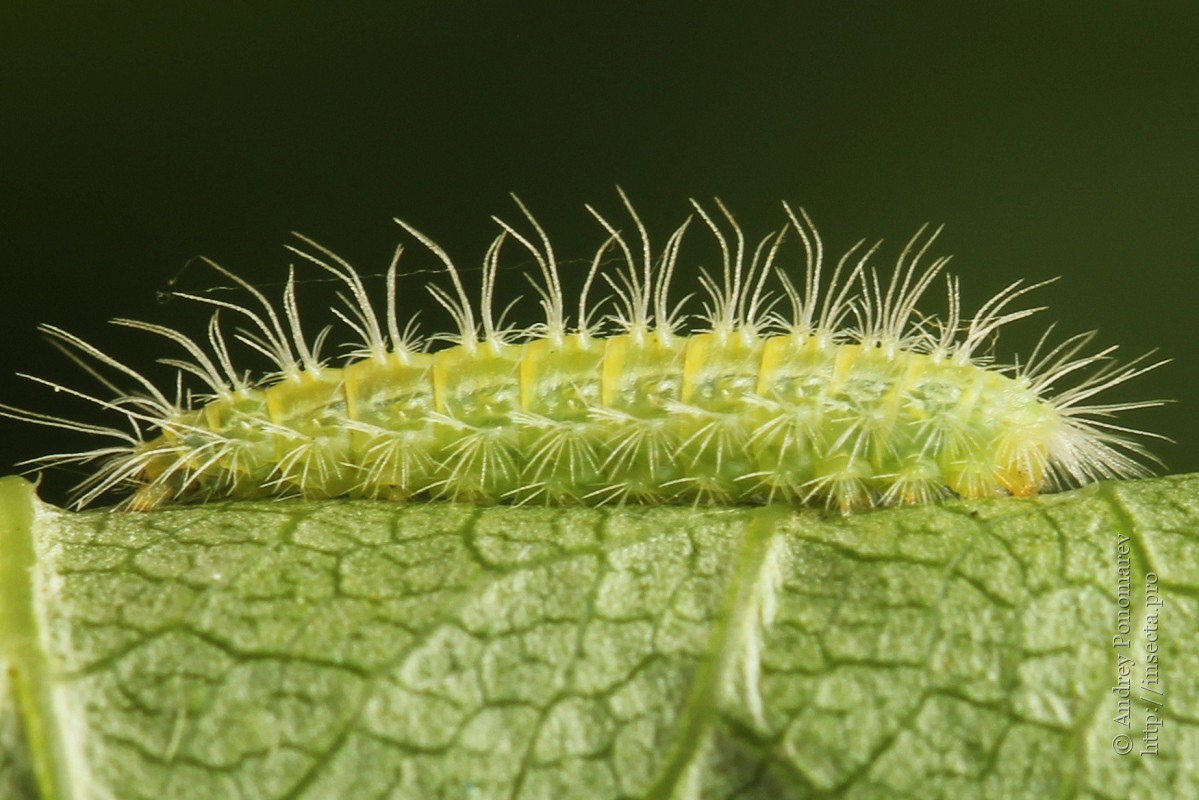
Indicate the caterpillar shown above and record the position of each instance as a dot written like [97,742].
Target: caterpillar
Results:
[835,392]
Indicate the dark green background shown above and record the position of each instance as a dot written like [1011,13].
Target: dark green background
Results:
[1050,138]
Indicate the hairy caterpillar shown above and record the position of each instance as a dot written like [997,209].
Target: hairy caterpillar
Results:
[836,392]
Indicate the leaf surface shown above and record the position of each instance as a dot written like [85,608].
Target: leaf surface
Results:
[366,650]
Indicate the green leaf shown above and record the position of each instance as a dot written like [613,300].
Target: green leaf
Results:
[366,650]
[16,780]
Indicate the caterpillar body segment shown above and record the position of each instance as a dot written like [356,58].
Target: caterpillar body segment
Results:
[835,392]
[710,418]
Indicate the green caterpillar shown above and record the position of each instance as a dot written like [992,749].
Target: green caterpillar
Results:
[748,404]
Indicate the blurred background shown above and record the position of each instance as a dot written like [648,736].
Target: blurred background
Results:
[1049,139]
